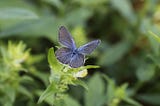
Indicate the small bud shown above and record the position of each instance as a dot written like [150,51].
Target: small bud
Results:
[81,74]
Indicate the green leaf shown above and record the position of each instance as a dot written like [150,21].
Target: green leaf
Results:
[92,3]
[126,11]
[53,62]
[41,75]
[26,92]
[11,93]
[8,94]
[56,3]
[155,59]
[69,101]
[150,98]
[88,67]
[16,4]
[44,26]
[51,89]
[145,72]
[131,101]
[80,16]
[111,88]
[114,53]
[121,91]
[55,66]
[95,95]
[79,35]
[154,45]
[49,99]
[155,36]
[16,13]
[83,68]
[118,92]
[81,83]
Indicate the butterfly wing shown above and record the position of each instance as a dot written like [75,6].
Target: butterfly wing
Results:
[65,38]
[64,55]
[77,60]
[89,47]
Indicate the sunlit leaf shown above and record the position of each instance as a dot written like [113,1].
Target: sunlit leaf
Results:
[17,13]
[88,67]
[121,91]
[55,66]
[155,36]
[51,89]
[53,62]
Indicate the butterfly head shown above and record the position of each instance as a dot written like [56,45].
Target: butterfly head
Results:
[74,52]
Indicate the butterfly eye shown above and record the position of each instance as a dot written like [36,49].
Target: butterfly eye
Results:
[74,53]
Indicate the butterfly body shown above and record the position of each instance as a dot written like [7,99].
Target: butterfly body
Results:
[74,52]
[69,54]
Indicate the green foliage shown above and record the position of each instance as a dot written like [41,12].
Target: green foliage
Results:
[126,11]
[93,96]
[112,97]
[14,60]
[116,94]
[16,13]
[150,98]
[128,56]
[61,77]
[155,36]
[145,72]
[117,51]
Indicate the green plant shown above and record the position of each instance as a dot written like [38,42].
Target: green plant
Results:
[62,76]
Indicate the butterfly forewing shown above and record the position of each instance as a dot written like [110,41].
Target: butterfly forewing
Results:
[64,55]
[77,61]
[89,47]
[65,38]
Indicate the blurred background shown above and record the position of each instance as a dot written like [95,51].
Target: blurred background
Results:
[128,55]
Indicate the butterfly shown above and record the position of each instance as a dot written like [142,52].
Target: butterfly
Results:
[71,55]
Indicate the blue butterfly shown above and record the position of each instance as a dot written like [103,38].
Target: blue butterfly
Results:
[69,53]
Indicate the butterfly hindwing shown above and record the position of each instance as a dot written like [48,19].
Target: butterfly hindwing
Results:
[89,47]
[77,61]
[64,55]
[65,38]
